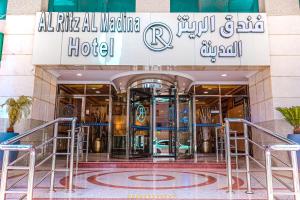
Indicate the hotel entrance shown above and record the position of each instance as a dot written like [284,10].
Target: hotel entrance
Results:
[159,120]
[151,117]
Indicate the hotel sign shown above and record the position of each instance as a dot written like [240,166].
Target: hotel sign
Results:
[151,39]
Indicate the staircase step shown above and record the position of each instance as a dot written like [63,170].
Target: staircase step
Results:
[167,165]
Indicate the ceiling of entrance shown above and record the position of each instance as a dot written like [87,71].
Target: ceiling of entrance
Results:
[121,77]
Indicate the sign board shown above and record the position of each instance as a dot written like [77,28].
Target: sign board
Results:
[151,39]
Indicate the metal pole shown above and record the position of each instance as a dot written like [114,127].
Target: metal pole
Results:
[109,146]
[68,148]
[248,175]
[31,174]
[72,155]
[151,126]
[54,149]
[127,123]
[269,174]
[217,145]
[194,129]
[4,174]
[154,124]
[228,155]
[87,143]
[236,150]
[295,175]
[177,127]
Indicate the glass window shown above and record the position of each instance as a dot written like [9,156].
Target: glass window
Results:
[91,6]
[184,6]
[3,7]
[97,89]
[234,90]
[214,6]
[70,89]
[1,44]
[207,89]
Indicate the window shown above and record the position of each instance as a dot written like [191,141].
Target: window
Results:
[1,44]
[3,7]
[91,6]
[214,5]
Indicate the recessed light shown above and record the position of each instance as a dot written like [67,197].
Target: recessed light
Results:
[209,88]
[93,88]
[224,75]
[79,74]
[205,92]
[98,92]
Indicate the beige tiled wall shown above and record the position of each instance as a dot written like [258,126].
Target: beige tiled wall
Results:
[19,77]
[152,5]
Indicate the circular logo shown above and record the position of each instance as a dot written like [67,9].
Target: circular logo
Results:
[158,36]
[140,113]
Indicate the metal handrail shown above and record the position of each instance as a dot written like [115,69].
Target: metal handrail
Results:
[10,145]
[290,147]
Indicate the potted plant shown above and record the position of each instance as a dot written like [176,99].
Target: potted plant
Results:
[16,109]
[292,116]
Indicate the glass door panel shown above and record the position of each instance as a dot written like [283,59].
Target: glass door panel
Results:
[164,139]
[140,119]
[185,127]
[96,116]
[119,106]
[68,107]
[208,116]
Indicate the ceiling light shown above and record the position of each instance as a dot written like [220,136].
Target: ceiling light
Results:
[224,75]
[79,74]
[205,92]
[209,88]
[98,92]
[93,88]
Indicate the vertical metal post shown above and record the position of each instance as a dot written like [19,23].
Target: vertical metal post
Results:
[217,144]
[54,156]
[109,146]
[127,123]
[194,129]
[228,155]
[87,143]
[190,126]
[31,174]
[151,127]
[154,123]
[68,148]
[295,175]
[248,175]
[177,127]
[78,141]
[269,174]
[235,149]
[4,174]
[72,155]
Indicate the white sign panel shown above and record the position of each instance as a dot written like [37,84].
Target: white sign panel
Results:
[151,39]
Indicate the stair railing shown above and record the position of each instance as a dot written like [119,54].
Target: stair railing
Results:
[289,147]
[30,152]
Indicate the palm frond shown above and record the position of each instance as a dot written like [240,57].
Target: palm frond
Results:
[291,115]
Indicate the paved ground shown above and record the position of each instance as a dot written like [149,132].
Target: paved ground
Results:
[118,184]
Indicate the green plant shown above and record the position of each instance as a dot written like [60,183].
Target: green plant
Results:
[291,115]
[16,109]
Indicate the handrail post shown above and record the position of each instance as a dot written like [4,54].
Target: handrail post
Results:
[4,174]
[217,143]
[295,175]
[54,156]
[269,177]
[31,173]
[72,155]
[248,175]
[228,155]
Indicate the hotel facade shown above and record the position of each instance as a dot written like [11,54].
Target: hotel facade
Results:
[151,78]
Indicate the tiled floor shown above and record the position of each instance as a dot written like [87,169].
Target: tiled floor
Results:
[91,184]
[150,183]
